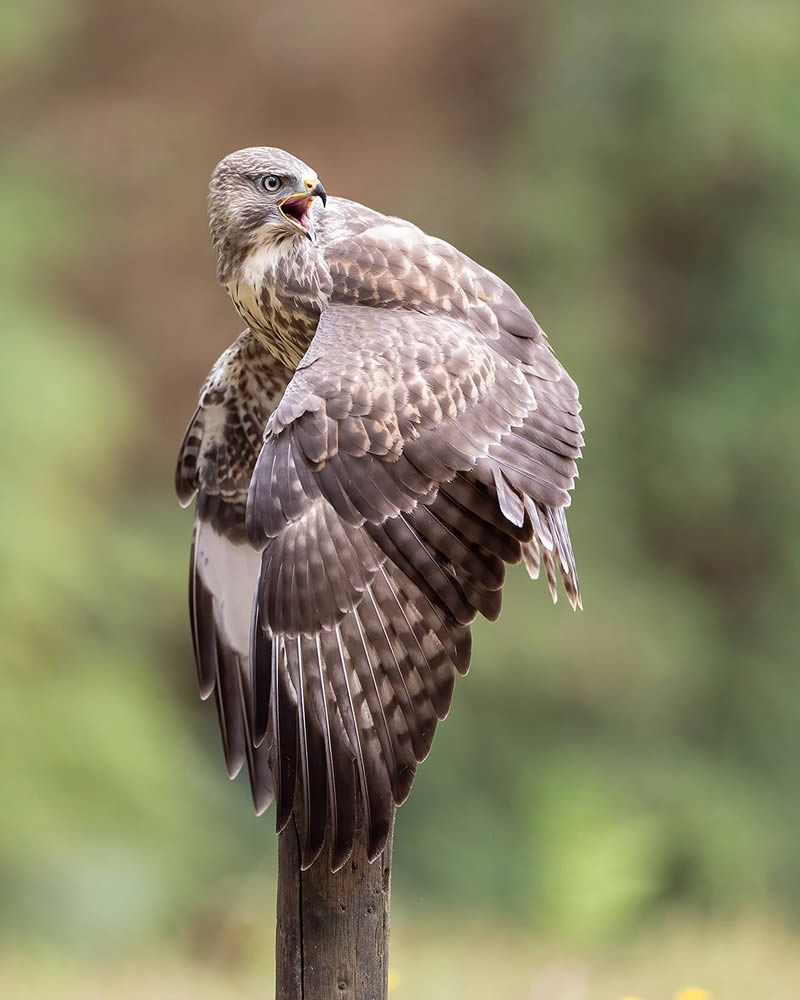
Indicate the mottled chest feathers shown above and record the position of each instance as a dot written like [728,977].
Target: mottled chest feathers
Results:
[277,292]
[246,286]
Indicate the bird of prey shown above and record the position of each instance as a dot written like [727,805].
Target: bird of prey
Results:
[390,430]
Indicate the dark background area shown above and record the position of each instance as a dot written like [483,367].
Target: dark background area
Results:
[612,807]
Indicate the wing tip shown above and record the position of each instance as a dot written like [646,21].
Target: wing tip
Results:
[206,690]
[185,495]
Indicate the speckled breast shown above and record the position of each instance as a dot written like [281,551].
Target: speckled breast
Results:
[281,301]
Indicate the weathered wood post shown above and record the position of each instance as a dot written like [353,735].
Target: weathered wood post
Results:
[332,937]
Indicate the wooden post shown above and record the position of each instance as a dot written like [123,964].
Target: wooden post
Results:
[332,938]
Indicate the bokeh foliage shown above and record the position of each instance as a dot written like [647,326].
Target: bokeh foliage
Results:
[642,191]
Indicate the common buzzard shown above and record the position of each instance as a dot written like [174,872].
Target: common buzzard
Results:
[391,430]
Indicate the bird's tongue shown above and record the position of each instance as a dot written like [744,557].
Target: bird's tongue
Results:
[298,208]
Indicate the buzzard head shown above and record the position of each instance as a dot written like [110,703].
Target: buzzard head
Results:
[260,197]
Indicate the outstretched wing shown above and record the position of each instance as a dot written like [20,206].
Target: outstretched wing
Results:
[215,464]
[393,265]
[408,461]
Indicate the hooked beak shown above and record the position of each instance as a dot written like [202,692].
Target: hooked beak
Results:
[297,207]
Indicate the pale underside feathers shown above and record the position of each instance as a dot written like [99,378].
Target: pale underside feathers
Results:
[353,518]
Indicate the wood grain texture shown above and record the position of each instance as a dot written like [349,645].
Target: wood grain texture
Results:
[332,938]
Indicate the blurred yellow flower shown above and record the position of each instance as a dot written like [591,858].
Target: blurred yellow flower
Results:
[394,980]
[693,993]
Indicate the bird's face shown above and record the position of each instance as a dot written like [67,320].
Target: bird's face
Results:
[260,197]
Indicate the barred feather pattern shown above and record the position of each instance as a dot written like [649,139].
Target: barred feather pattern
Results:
[215,465]
[393,487]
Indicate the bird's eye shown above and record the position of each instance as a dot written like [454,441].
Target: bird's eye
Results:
[270,182]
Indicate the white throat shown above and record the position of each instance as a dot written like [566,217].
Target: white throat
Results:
[282,320]
[246,285]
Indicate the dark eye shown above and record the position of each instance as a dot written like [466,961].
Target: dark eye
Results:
[270,182]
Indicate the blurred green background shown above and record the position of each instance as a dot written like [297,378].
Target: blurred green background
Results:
[612,808]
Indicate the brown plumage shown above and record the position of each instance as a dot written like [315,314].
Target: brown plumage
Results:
[427,437]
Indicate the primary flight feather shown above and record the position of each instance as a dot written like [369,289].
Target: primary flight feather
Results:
[389,431]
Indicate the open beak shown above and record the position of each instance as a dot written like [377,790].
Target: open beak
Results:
[297,207]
